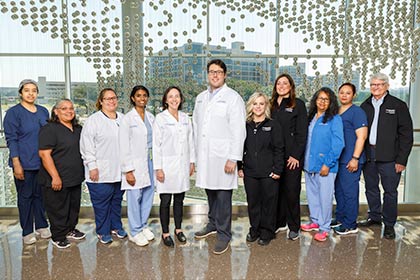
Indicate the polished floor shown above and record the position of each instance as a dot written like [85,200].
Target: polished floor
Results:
[365,255]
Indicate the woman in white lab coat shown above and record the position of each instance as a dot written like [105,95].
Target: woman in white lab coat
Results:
[173,157]
[136,165]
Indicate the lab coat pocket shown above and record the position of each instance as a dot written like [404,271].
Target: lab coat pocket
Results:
[141,172]
[103,168]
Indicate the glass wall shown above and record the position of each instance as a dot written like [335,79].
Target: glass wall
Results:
[74,48]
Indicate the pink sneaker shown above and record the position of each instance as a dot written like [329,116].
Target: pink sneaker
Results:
[321,236]
[309,227]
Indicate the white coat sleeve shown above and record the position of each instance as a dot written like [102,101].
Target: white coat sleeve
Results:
[126,156]
[87,143]
[157,143]
[237,120]
[191,141]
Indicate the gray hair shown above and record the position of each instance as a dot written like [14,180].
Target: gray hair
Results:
[379,76]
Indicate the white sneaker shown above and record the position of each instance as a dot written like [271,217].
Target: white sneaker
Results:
[139,239]
[148,234]
[29,239]
[45,233]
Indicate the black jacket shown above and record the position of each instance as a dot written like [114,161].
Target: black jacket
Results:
[294,124]
[395,130]
[263,149]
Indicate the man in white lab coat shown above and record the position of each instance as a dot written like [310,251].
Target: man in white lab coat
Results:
[219,132]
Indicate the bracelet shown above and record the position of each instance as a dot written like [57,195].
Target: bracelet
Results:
[356,158]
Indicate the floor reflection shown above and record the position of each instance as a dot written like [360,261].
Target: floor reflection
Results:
[365,255]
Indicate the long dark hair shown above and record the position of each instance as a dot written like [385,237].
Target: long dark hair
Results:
[54,118]
[332,106]
[165,97]
[134,90]
[273,101]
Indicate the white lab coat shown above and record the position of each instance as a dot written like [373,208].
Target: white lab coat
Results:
[173,151]
[133,149]
[99,147]
[219,134]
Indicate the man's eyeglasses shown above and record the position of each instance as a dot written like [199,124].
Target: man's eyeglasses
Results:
[217,73]
[377,85]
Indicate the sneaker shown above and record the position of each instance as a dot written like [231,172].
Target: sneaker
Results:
[105,239]
[61,244]
[120,233]
[148,234]
[309,227]
[139,239]
[44,233]
[293,235]
[369,222]
[321,236]
[251,238]
[76,234]
[341,230]
[29,239]
[335,223]
[205,232]
[280,229]
[389,232]
[221,247]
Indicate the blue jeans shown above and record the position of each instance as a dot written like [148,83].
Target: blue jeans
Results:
[106,201]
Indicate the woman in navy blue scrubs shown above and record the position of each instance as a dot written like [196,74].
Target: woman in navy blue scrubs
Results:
[21,127]
[351,162]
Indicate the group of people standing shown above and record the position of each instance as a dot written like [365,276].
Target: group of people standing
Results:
[267,142]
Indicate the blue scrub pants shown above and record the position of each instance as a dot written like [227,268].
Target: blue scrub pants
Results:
[139,204]
[30,203]
[319,192]
[106,201]
[347,196]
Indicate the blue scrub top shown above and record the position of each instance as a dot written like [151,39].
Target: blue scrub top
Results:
[353,119]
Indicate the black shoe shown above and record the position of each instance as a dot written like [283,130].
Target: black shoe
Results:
[221,247]
[168,241]
[76,234]
[369,222]
[389,232]
[180,236]
[264,242]
[204,233]
[61,244]
[251,238]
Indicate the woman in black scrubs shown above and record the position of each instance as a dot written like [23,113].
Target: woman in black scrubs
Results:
[290,112]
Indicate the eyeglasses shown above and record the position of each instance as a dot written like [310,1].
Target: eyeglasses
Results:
[217,73]
[321,99]
[377,85]
[66,108]
[110,98]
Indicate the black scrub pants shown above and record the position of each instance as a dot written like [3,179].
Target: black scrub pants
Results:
[63,209]
[262,196]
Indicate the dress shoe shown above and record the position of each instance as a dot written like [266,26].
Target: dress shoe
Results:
[180,236]
[168,241]
[264,242]
[369,222]
[251,238]
[389,232]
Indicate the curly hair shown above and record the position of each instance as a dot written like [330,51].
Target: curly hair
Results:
[332,109]
[275,95]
